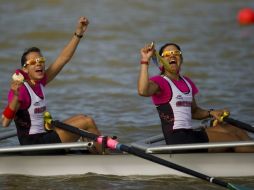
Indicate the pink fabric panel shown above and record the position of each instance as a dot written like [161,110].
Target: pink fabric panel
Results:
[166,93]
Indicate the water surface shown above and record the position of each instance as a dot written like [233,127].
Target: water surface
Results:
[101,79]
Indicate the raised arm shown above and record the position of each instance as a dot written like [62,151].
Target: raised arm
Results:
[68,51]
[146,87]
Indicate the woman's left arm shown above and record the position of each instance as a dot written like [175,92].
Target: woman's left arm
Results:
[199,113]
[68,51]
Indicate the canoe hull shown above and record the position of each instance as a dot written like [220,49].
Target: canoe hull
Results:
[212,164]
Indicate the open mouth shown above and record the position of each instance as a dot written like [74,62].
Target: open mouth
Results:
[172,61]
[39,71]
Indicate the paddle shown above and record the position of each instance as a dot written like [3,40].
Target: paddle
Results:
[113,144]
[239,124]
[8,134]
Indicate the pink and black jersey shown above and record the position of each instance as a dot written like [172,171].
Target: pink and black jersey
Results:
[29,118]
[174,102]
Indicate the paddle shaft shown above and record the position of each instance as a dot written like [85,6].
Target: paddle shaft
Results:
[166,163]
[239,124]
[143,155]
[9,134]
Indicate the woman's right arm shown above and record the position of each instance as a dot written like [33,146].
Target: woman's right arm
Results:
[13,105]
[146,87]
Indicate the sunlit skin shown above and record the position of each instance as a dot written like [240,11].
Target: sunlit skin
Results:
[35,72]
[174,63]
[34,67]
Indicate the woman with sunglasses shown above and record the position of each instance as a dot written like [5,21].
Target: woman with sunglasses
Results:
[174,97]
[26,99]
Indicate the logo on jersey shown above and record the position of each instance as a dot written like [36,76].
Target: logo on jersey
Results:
[40,109]
[183,104]
[179,97]
[36,103]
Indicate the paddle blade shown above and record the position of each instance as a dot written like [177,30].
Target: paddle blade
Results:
[236,187]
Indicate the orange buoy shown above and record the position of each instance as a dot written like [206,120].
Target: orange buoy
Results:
[246,16]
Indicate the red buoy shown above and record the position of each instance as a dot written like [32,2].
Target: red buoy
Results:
[246,16]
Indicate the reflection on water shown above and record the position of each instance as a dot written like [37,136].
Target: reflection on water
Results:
[94,181]
[101,78]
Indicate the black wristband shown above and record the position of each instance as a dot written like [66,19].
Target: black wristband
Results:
[79,36]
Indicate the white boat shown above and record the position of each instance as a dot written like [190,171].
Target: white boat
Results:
[12,161]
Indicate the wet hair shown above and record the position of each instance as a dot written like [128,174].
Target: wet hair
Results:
[162,49]
[27,51]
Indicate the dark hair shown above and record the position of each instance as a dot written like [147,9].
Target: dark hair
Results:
[162,49]
[27,51]
[170,44]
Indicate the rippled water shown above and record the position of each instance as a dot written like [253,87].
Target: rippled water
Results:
[93,181]
[100,80]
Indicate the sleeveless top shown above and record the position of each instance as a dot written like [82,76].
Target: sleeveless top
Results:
[176,112]
[30,121]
